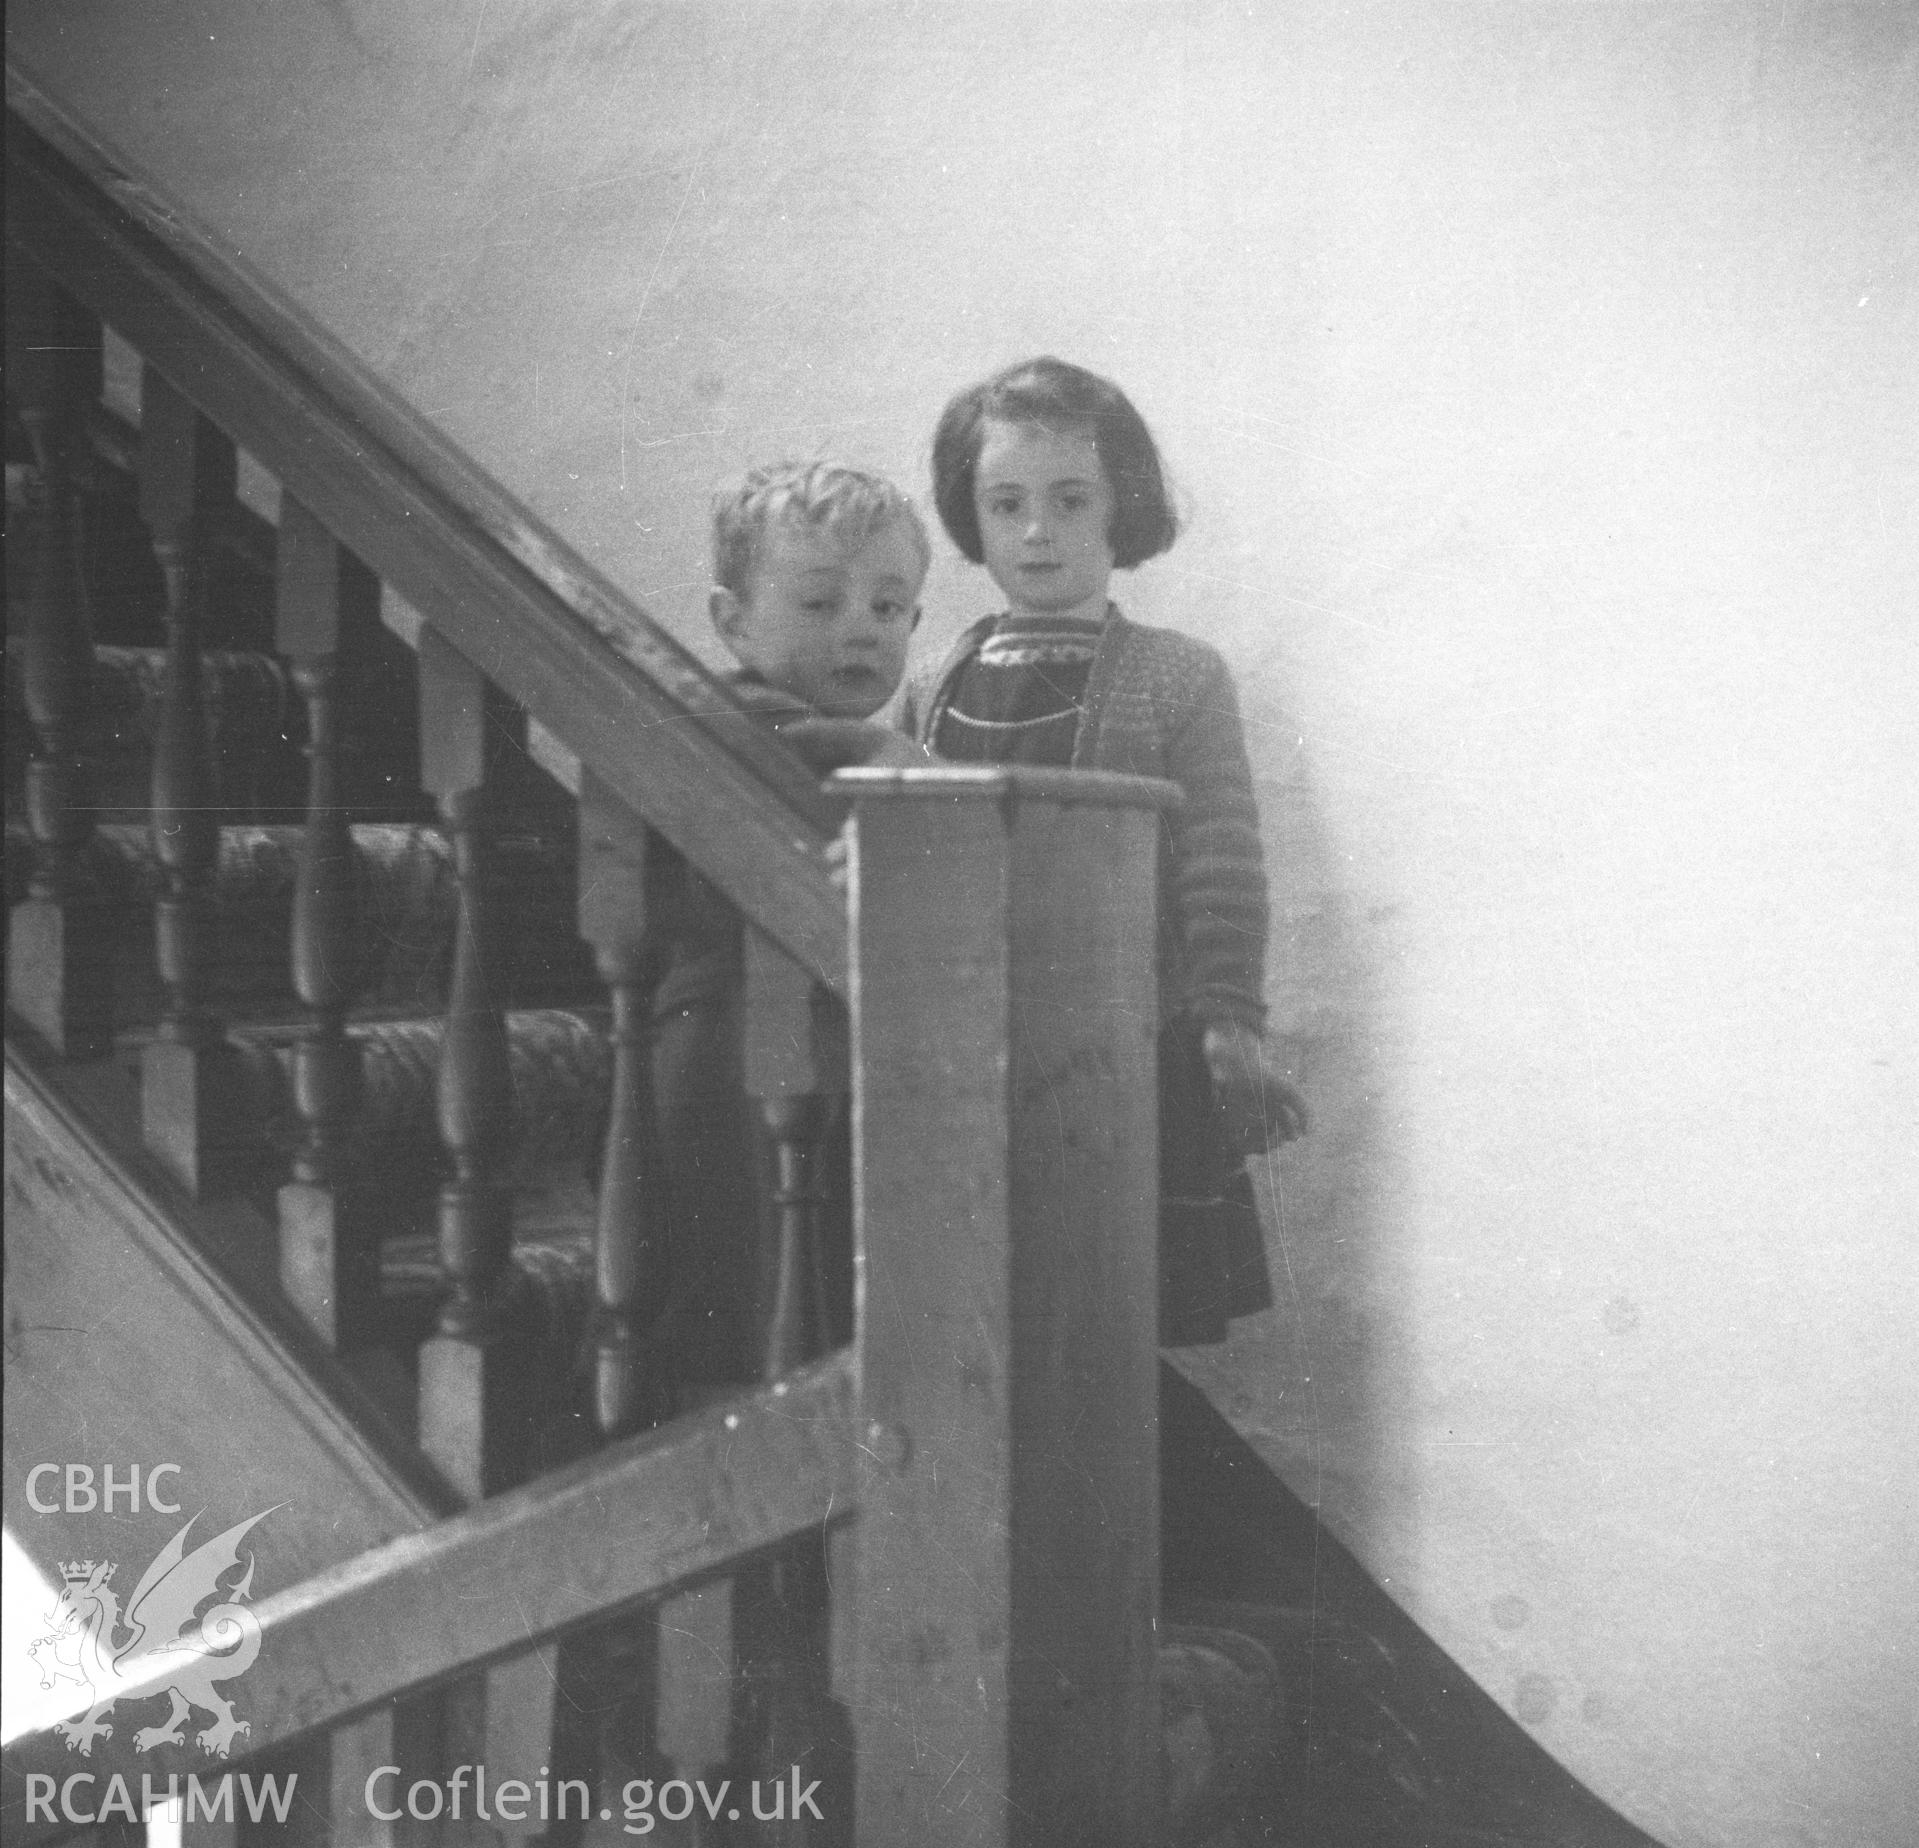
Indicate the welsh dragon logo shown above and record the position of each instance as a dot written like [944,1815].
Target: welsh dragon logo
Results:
[171,1646]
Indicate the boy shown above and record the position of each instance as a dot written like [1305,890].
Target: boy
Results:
[817,572]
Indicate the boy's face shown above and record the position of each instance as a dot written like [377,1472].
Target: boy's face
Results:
[826,618]
[1045,511]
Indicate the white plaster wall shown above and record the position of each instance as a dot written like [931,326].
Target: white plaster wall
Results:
[1542,381]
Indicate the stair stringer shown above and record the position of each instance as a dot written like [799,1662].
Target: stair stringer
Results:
[126,1346]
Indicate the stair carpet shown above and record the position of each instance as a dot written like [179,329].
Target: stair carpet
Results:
[407,892]
[408,895]
[250,708]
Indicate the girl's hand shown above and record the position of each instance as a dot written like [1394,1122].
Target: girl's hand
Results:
[1261,1109]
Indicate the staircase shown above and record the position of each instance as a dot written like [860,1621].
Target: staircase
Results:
[352,817]
[347,815]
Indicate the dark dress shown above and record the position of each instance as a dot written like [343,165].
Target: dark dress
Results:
[1019,700]
[717,1160]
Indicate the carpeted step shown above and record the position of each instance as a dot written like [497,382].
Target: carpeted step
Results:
[254,722]
[562,1068]
[408,899]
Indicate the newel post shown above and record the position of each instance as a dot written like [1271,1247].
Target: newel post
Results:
[1007,1544]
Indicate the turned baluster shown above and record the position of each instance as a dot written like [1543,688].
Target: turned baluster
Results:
[187,1102]
[795,1064]
[796,1306]
[469,1377]
[329,1260]
[796,1067]
[58,969]
[476,1371]
[628,892]
[624,894]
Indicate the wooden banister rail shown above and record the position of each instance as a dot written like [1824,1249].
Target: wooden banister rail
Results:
[616,689]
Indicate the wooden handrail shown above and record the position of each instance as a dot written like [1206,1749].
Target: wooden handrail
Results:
[612,685]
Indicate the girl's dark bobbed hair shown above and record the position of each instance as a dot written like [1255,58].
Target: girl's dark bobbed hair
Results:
[1056,396]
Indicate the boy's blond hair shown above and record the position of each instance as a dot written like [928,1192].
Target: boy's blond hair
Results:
[824,496]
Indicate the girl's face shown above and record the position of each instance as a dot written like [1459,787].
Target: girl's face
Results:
[1045,509]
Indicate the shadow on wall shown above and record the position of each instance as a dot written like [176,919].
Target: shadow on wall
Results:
[1302,1382]
[1386,1743]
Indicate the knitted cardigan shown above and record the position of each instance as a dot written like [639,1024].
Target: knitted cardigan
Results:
[1159,703]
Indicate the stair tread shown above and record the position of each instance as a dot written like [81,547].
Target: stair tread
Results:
[561,1063]
[230,1234]
[408,893]
[251,723]
[553,1254]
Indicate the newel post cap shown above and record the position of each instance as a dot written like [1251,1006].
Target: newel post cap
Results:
[1002,782]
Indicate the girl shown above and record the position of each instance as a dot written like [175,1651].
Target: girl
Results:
[1047,476]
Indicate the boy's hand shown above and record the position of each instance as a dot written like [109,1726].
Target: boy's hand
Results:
[890,749]
[834,744]
[896,751]
[1261,1108]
